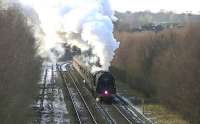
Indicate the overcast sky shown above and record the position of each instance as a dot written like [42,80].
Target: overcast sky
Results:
[178,6]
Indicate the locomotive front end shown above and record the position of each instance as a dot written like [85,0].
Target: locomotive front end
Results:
[105,85]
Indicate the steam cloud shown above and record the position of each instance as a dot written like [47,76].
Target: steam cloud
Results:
[86,24]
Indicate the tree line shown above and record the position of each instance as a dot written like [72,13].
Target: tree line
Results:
[163,65]
[19,66]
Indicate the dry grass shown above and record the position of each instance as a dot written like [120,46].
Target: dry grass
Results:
[161,115]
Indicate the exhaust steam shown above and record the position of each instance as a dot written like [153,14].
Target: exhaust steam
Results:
[86,24]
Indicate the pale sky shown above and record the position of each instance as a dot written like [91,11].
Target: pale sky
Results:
[178,6]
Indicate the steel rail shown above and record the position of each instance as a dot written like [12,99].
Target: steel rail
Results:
[130,107]
[74,82]
[104,112]
[129,121]
[70,94]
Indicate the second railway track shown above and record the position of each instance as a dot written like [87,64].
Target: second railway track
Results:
[82,110]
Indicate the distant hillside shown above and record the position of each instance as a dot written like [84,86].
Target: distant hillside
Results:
[129,21]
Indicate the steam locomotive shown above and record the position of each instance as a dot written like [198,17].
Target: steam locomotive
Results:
[101,84]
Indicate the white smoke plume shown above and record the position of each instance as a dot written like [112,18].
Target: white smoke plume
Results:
[86,24]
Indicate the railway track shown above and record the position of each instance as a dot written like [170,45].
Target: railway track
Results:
[82,110]
[127,118]
[121,111]
[97,107]
[43,106]
[110,112]
[42,95]
[106,114]
[125,109]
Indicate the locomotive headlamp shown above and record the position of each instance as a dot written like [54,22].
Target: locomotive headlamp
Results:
[106,92]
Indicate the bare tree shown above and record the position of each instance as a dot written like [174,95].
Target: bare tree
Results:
[163,65]
[19,67]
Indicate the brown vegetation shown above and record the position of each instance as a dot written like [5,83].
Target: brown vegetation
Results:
[165,65]
[19,67]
